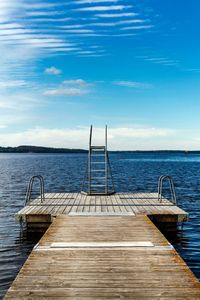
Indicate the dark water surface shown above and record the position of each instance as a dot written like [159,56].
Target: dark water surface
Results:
[64,172]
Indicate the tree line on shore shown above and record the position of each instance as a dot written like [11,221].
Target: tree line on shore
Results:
[39,149]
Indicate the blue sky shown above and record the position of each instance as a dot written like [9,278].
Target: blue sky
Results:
[133,65]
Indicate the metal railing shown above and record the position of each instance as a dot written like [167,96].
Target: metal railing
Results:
[171,186]
[30,188]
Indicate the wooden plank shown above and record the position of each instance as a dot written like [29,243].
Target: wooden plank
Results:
[81,203]
[145,267]
[98,204]
[70,203]
[61,204]
[110,204]
[92,203]
[138,203]
[116,207]
[104,206]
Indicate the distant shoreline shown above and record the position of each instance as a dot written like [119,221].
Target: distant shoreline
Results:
[39,149]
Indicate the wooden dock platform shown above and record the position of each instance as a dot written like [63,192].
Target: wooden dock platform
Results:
[38,214]
[104,257]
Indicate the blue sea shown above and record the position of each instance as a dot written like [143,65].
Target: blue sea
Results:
[138,172]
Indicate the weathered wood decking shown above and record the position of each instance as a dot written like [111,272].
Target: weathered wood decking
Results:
[104,257]
[119,203]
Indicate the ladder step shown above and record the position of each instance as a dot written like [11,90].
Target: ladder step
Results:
[98,178]
[98,170]
[98,162]
[96,155]
[97,147]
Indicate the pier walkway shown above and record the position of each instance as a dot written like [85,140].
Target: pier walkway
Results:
[104,257]
[38,214]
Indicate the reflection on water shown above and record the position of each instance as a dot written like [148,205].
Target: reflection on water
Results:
[64,173]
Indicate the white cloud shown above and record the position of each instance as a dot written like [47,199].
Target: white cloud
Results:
[119,15]
[72,26]
[117,23]
[119,138]
[12,83]
[161,60]
[70,87]
[19,101]
[133,84]
[126,138]
[95,1]
[65,92]
[79,31]
[53,20]
[53,71]
[79,82]
[14,31]
[137,27]
[8,8]
[10,26]
[44,5]
[63,50]
[44,13]
[103,8]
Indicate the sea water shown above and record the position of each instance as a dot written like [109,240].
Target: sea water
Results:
[132,172]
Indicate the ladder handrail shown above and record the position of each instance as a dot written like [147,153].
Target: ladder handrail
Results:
[106,162]
[30,187]
[90,140]
[171,185]
[89,160]
[106,137]
[110,172]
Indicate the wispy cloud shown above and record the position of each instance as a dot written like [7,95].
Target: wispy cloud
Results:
[137,27]
[65,92]
[44,13]
[47,28]
[33,30]
[79,31]
[117,15]
[12,83]
[76,82]
[20,101]
[116,23]
[10,26]
[95,1]
[70,87]
[53,71]
[103,8]
[48,20]
[133,84]
[160,60]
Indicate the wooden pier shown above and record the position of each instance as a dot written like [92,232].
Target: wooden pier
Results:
[104,257]
[40,215]
[102,245]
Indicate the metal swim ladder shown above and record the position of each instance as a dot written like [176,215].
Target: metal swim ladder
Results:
[98,178]
[171,186]
[30,189]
